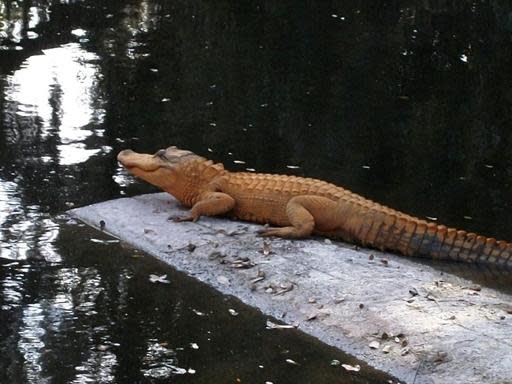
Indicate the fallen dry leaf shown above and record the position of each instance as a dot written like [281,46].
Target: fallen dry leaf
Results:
[292,362]
[223,280]
[374,345]
[158,279]
[272,325]
[354,368]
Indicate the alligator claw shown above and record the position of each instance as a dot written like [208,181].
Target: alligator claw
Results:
[283,232]
[267,232]
[179,219]
[263,231]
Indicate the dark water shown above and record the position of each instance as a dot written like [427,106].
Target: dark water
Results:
[95,317]
[406,102]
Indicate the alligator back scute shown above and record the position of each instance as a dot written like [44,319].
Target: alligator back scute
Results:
[506,256]
[437,244]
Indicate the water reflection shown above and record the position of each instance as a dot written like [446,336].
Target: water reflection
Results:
[160,361]
[98,368]
[57,89]
[9,204]
[24,232]
[31,342]
[19,21]
[100,319]
[12,287]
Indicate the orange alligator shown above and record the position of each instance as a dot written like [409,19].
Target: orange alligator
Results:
[300,207]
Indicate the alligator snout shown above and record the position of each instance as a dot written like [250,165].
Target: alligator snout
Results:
[145,162]
[123,154]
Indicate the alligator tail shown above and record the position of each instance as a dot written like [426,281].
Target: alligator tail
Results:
[440,242]
[383,228]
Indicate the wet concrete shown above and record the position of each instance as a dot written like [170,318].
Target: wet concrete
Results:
[409,319]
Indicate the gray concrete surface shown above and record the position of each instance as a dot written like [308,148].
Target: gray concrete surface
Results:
[425,326]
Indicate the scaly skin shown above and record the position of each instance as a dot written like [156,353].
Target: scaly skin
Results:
[300,207]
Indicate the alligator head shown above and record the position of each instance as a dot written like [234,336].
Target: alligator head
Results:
[179,172]
[160,169]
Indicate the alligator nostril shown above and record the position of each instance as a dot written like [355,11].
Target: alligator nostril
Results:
[124,153]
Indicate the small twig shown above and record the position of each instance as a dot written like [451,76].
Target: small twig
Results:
[417,370]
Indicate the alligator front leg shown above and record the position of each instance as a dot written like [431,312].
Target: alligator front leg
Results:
[306,213]
[210,204]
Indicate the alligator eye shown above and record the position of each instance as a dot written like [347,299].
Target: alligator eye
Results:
[161,154]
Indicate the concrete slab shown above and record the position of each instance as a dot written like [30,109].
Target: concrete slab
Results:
[405,318]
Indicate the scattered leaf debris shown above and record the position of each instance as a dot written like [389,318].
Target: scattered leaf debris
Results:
[198,313]
[158,279]
[259,277]
[104,241]
[272,325]
[374,344]
[223,280]
[441,357]
[292,362]
[267,249]
[353,368]
[283,288]
[475,287]
[430,296]
[509,310]
[216,255]
[242,263]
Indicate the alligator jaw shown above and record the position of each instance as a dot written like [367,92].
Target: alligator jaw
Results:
[147,163]
[164,158]
[160,169]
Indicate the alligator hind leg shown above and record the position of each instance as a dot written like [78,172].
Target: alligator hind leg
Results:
[305,213]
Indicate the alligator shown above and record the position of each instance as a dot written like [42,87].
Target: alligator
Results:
[299,207]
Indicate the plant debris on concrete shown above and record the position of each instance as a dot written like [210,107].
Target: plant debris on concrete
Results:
[422,325]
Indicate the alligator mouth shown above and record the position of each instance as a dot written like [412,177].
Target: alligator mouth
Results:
[137,168]
[132,160]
